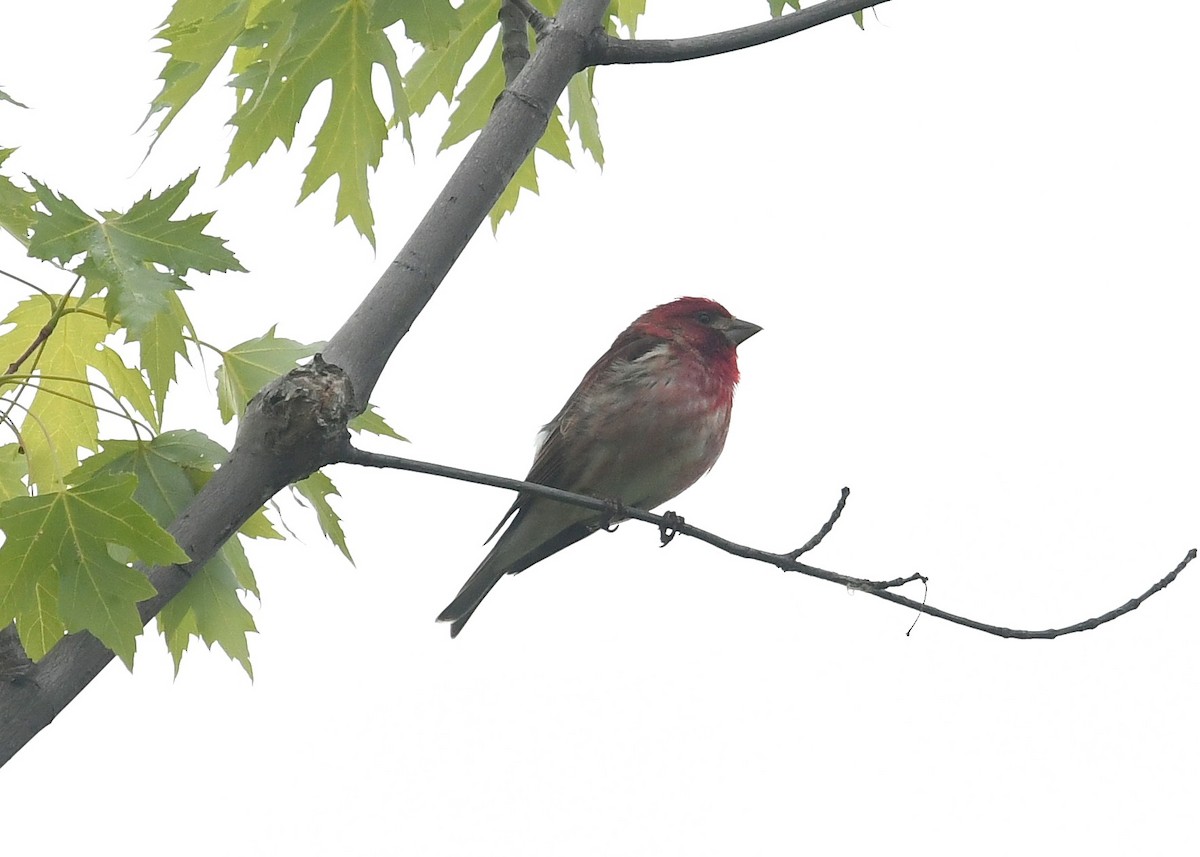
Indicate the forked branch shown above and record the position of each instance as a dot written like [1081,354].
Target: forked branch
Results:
[673,524]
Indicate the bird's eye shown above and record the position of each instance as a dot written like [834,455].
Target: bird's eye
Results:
[704,317]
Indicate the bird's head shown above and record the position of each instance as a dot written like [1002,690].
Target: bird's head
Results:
[701,323]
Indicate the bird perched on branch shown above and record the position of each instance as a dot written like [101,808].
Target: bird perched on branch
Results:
[647,420]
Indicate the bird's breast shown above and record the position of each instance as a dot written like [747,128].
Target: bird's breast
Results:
[655,426]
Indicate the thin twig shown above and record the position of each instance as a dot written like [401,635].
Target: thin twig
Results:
[47,328]
[880,589]
[824,531]
[611,50]
[42,336]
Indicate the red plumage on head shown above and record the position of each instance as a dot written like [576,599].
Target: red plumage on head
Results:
[699,324]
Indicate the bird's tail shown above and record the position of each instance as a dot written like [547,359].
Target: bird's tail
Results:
[476,588]
[537,532]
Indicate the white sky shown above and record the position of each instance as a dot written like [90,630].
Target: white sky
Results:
[969,234]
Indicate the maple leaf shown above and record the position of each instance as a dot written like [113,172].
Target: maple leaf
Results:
[777,6]
[627,13]
[475,101]
[317,488]
[437,70]
[62,417]
[161,343]
[429,22]
[56,571]
[4,96]
[371,422]
[251,365]
[581,114]
[208,607]
[170,470]
[13,471]
[137,257]
[301,45]
[16,205]
[198,34]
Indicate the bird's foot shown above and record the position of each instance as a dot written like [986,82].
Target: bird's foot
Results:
[669,528]
[614,513]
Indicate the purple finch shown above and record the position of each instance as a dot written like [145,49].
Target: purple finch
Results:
[647,420]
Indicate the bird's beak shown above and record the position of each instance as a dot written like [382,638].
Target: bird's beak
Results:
[738,331]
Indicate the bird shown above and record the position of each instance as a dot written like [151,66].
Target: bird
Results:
[647,420]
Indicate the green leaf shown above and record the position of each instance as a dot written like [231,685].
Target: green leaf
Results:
[778,7]
[437,70]
[4,96]
[524,179]
[170,469]
[198,34]
[371,422]
[161,342]
[16,205]
[233,554]
[13,471]
[251,365]
[554,141]
[59,541]
[208,607]
[317,488]
[627,12]
[128,383]
[427,22]
[259,526]
[191,449]
[123,253]
[475,101]
[581,113]
[41,626]
[62,417]
[309,42]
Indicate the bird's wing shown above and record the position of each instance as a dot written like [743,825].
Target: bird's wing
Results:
[551,462]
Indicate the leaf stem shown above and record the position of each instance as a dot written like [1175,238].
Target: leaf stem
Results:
[29,380]
[28,284]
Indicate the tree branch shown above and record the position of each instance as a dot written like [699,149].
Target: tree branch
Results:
[787,562]
[515,38]
[536,19]
[611,50]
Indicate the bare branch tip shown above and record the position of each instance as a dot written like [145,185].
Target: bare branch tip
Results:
[824,531]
